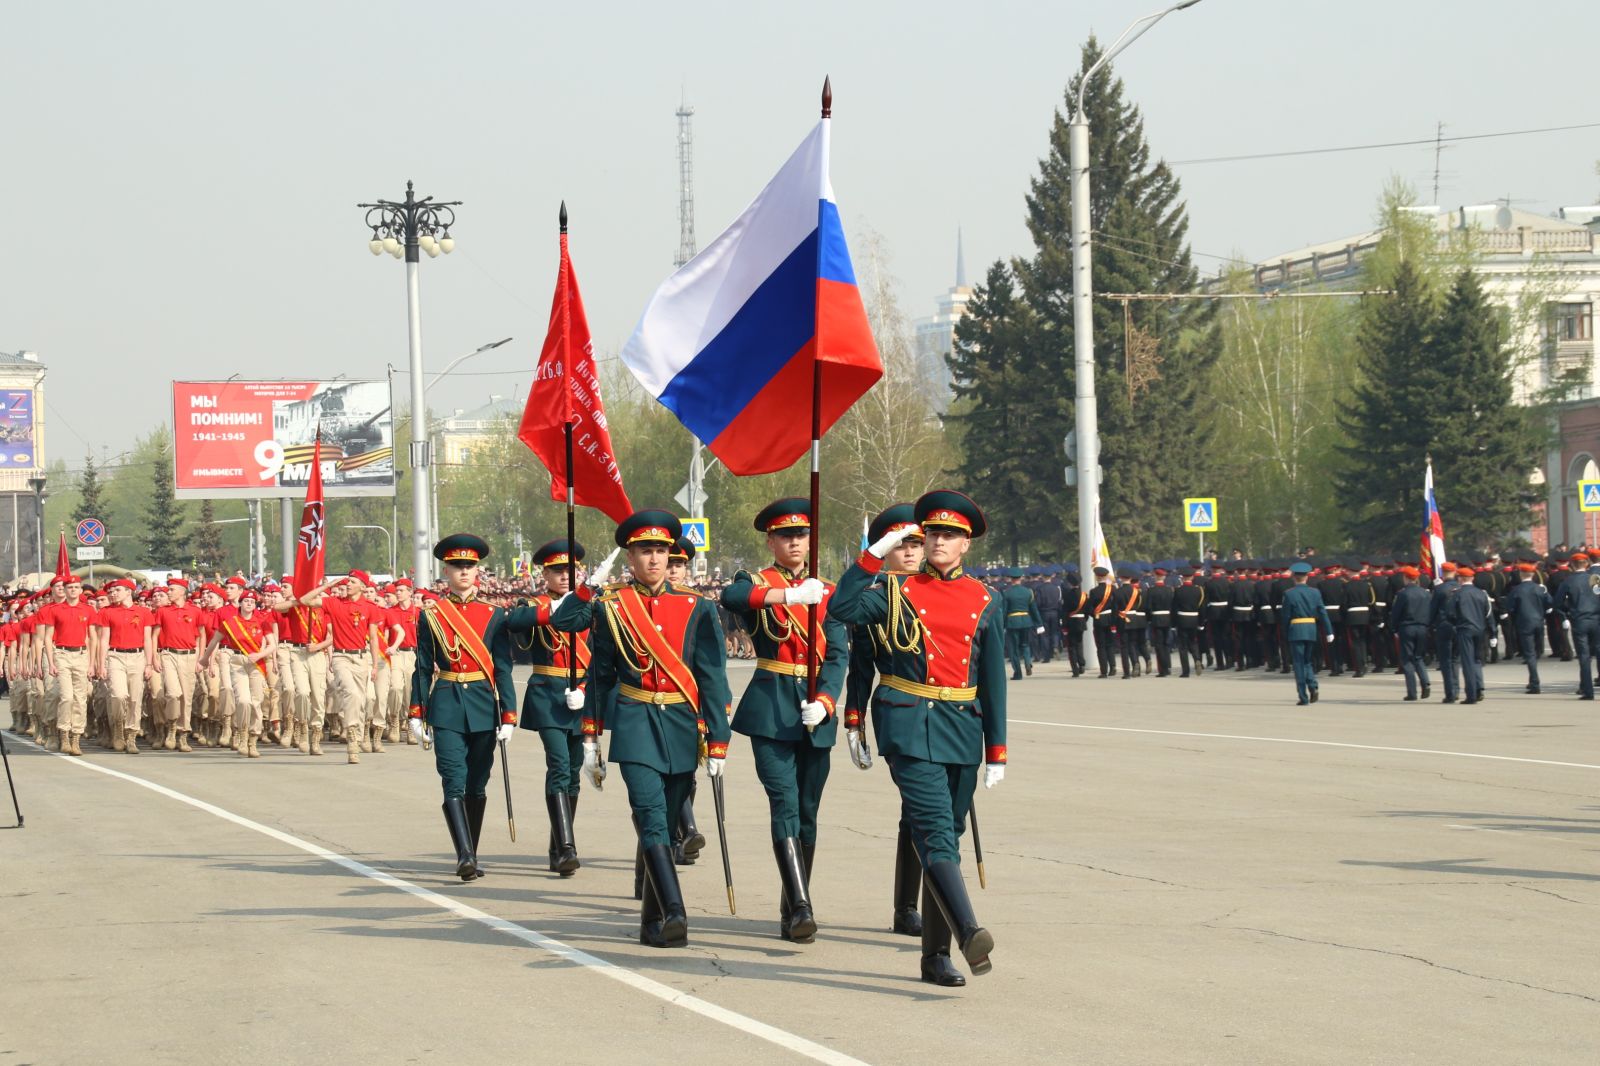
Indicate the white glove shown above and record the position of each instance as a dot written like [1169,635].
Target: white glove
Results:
[574,699]
[504,733]
[890,541]
[1040,630]
[603,573]
[808,593]
[1329,638]
[1494,642]
[993,774]
[714,768]
[812,714]
[860,750]
[418,728]
[1566,623]
[593,768]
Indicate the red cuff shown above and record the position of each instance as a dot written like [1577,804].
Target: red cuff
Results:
[758,598]
[589,729]
[416,711]
[717,749]
[996,753]
[852,718]
[827,701]
[869,562]
[585,593]
[508,717]
[542,614]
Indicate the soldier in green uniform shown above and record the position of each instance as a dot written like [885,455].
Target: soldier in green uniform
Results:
[687,840]
[791,734]
[1304,616]
[462,688]
[549,706]
[658,681]
[871,652]
[940,708]
[1022,619]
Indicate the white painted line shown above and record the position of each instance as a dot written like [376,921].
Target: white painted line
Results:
[1317,743]
[760,1030]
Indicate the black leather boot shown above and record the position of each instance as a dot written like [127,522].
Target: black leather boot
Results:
[687,840]
[955,907]
[455,819]
[475,808]
[937,969]
[638,872]
[797,922]
[564,854]
[671,929]
[907,880]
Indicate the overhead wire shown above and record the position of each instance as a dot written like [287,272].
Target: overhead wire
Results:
[1379,144]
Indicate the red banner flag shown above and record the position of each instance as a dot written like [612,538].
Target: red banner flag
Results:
[311,543]
[566,390]
[63,567]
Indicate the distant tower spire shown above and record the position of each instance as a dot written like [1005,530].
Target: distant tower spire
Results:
[686,241]
[961,262]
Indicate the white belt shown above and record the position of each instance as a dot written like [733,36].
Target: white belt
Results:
[1190,614]
[1162,612]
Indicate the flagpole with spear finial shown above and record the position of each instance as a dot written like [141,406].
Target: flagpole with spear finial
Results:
[816,431]
[572,506]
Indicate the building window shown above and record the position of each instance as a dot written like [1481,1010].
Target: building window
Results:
[466,456]
[1573,322]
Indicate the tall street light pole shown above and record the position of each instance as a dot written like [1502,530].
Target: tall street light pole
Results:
[410,227]
[1083,300]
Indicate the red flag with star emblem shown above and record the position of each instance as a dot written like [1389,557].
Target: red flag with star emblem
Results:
[311,543]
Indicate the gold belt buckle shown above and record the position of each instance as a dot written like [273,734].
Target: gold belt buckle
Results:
[944,693]
[660,699]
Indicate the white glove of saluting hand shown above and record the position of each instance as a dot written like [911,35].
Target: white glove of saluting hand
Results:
[593,769]
[890,541]
[812,714]
[713,768]
[860,750]
[418,727]
[504,733]
[574,699]
[993,774]
[808,593]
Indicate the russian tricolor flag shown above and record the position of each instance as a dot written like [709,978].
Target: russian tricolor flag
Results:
[730,342]
[1432,554]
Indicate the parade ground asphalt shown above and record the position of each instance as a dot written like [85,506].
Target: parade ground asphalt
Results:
[1179,871]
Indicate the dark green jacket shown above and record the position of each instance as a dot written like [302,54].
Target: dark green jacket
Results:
[1300,602]
[664,737]
[1022,612]
[958,643]
[770,706]
[544,702]
[464,706]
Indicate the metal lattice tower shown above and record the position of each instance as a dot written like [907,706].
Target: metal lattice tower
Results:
[686,243]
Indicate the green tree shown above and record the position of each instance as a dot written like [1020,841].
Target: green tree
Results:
[209,555]
[1011,425]
[90,503]
[1150,358]
[165,545]
[1485,445]
[1390,419]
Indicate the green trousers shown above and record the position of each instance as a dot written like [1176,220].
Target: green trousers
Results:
[464,761]
[934,799]
[793,773]
[1019,649]
[652,794]
[563,761]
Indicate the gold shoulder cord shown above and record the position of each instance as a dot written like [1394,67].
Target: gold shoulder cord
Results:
[451,645]
[905,630]
[624,640]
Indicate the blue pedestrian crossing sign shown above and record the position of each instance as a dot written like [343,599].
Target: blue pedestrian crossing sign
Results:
[697,531]
[1589,496]
[1200,514]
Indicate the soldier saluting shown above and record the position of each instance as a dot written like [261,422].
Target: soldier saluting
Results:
[658,681]
[943,707]
[462,688]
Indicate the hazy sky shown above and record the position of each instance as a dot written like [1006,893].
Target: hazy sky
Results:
[180,179]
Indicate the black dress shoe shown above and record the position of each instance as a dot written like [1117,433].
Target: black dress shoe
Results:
[1589,697]
[1448,699]
[1411,699]
[1426,692]
[1300,703]
[939,970]
[1314,695]
[1533,690]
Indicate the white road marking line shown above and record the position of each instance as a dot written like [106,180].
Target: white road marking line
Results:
[758,1029]
[1317,743]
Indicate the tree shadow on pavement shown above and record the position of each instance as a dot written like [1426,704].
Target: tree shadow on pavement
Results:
[1465,866]
[1536,823]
